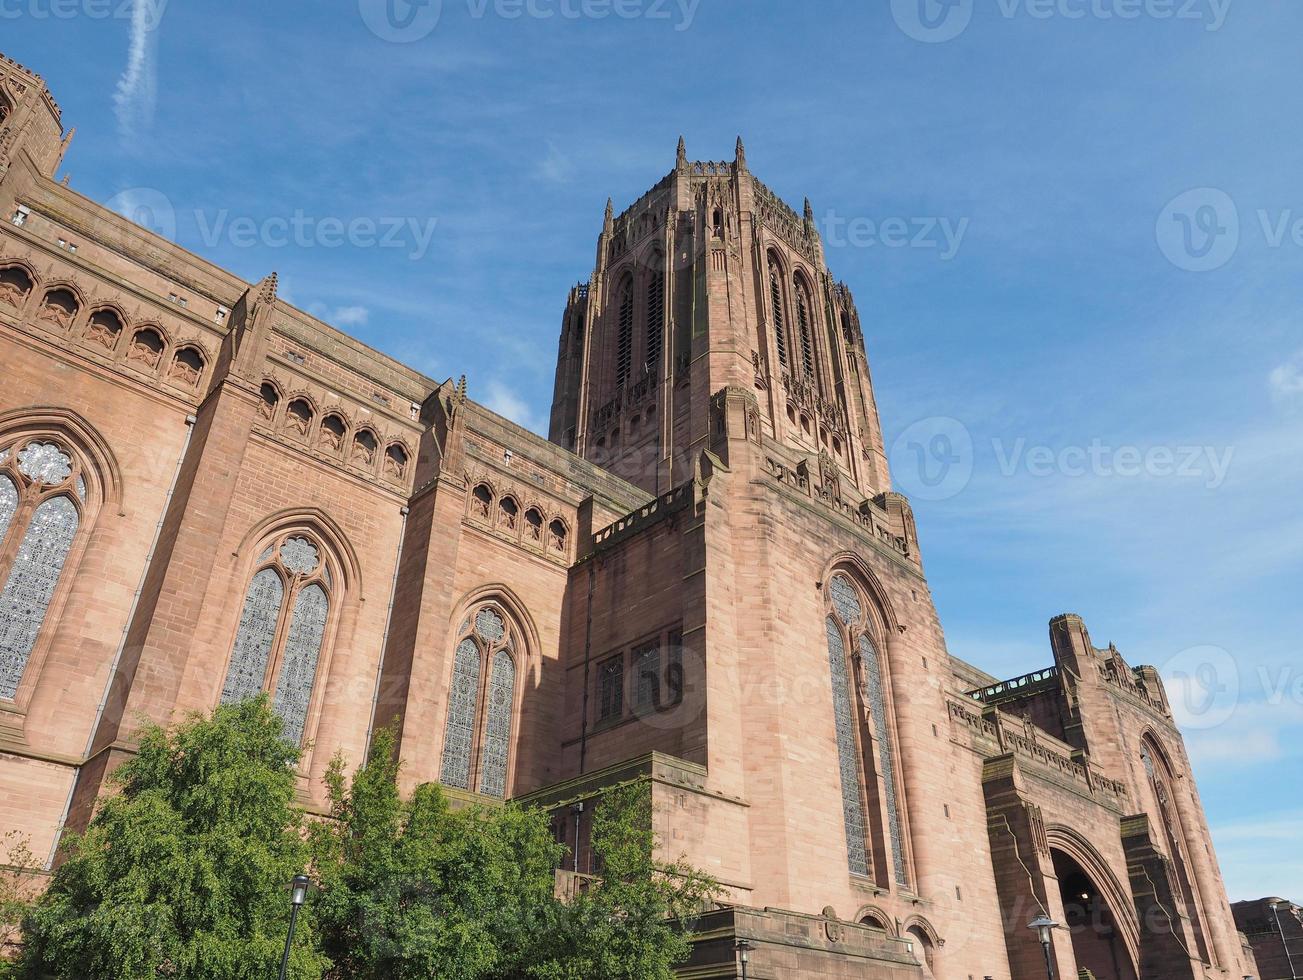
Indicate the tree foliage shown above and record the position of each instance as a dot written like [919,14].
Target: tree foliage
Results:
[183,872]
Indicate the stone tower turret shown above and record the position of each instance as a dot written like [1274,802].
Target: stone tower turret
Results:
[709,281]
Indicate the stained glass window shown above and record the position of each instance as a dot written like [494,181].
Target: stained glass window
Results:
[497,725]
[300,555]
[8,503]
[255,638]
[45,463]
[463,698]
[845,601]
[298,670]
[610,689]
[886,757]
[488,624]
[848,756]
[31,584]
[647,678]
[282,627]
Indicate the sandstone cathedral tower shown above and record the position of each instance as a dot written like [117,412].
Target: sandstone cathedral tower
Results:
[703,579]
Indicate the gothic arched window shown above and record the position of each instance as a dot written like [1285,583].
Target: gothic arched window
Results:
[655,312]
[481,703]
[779,308]
[804,330]
[624,339]
[1173,831]
[282,628]
[43,496]
[864,745]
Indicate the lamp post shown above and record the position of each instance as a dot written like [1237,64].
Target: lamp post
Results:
[744,947]
[1275,910]
[298,893]
[1043,925]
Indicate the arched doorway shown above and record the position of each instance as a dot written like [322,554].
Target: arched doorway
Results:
[1089,919]
[924,950]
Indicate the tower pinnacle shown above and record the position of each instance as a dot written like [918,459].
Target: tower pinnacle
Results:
[741,155]
[681,157]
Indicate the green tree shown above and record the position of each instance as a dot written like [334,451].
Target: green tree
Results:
[416,889]
[631,924]
[19,882]
[184,872]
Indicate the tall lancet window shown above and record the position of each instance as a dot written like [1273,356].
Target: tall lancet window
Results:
[655,314]
[43,502]
[864,746]
[278,644]
[624,338]
[779,308]
[804,329]
[481,703]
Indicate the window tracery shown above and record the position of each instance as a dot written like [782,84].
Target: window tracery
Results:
[280,639]
[655,315]
[187,366]
[104,328]
[60,307]
[298,416]
[15,286]
[396,462]
[43,492]
[269,398]
[861,709]
[364,448]
[146,348]
[332,433]
[481,703]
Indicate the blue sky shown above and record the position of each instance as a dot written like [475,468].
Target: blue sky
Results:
[1093,389]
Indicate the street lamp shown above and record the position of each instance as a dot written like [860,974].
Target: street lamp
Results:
[298,893]
[1043,925]
[1275,910]
[744,947]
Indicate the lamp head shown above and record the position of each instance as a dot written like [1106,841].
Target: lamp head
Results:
[299,889]
[744,947]
[1043,924]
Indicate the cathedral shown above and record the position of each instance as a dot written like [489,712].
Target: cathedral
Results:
[702,578]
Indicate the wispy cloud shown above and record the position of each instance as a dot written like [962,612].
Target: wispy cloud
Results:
[1286,380]
[341,316]
[134,98]
[506,401]
[1259,856]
